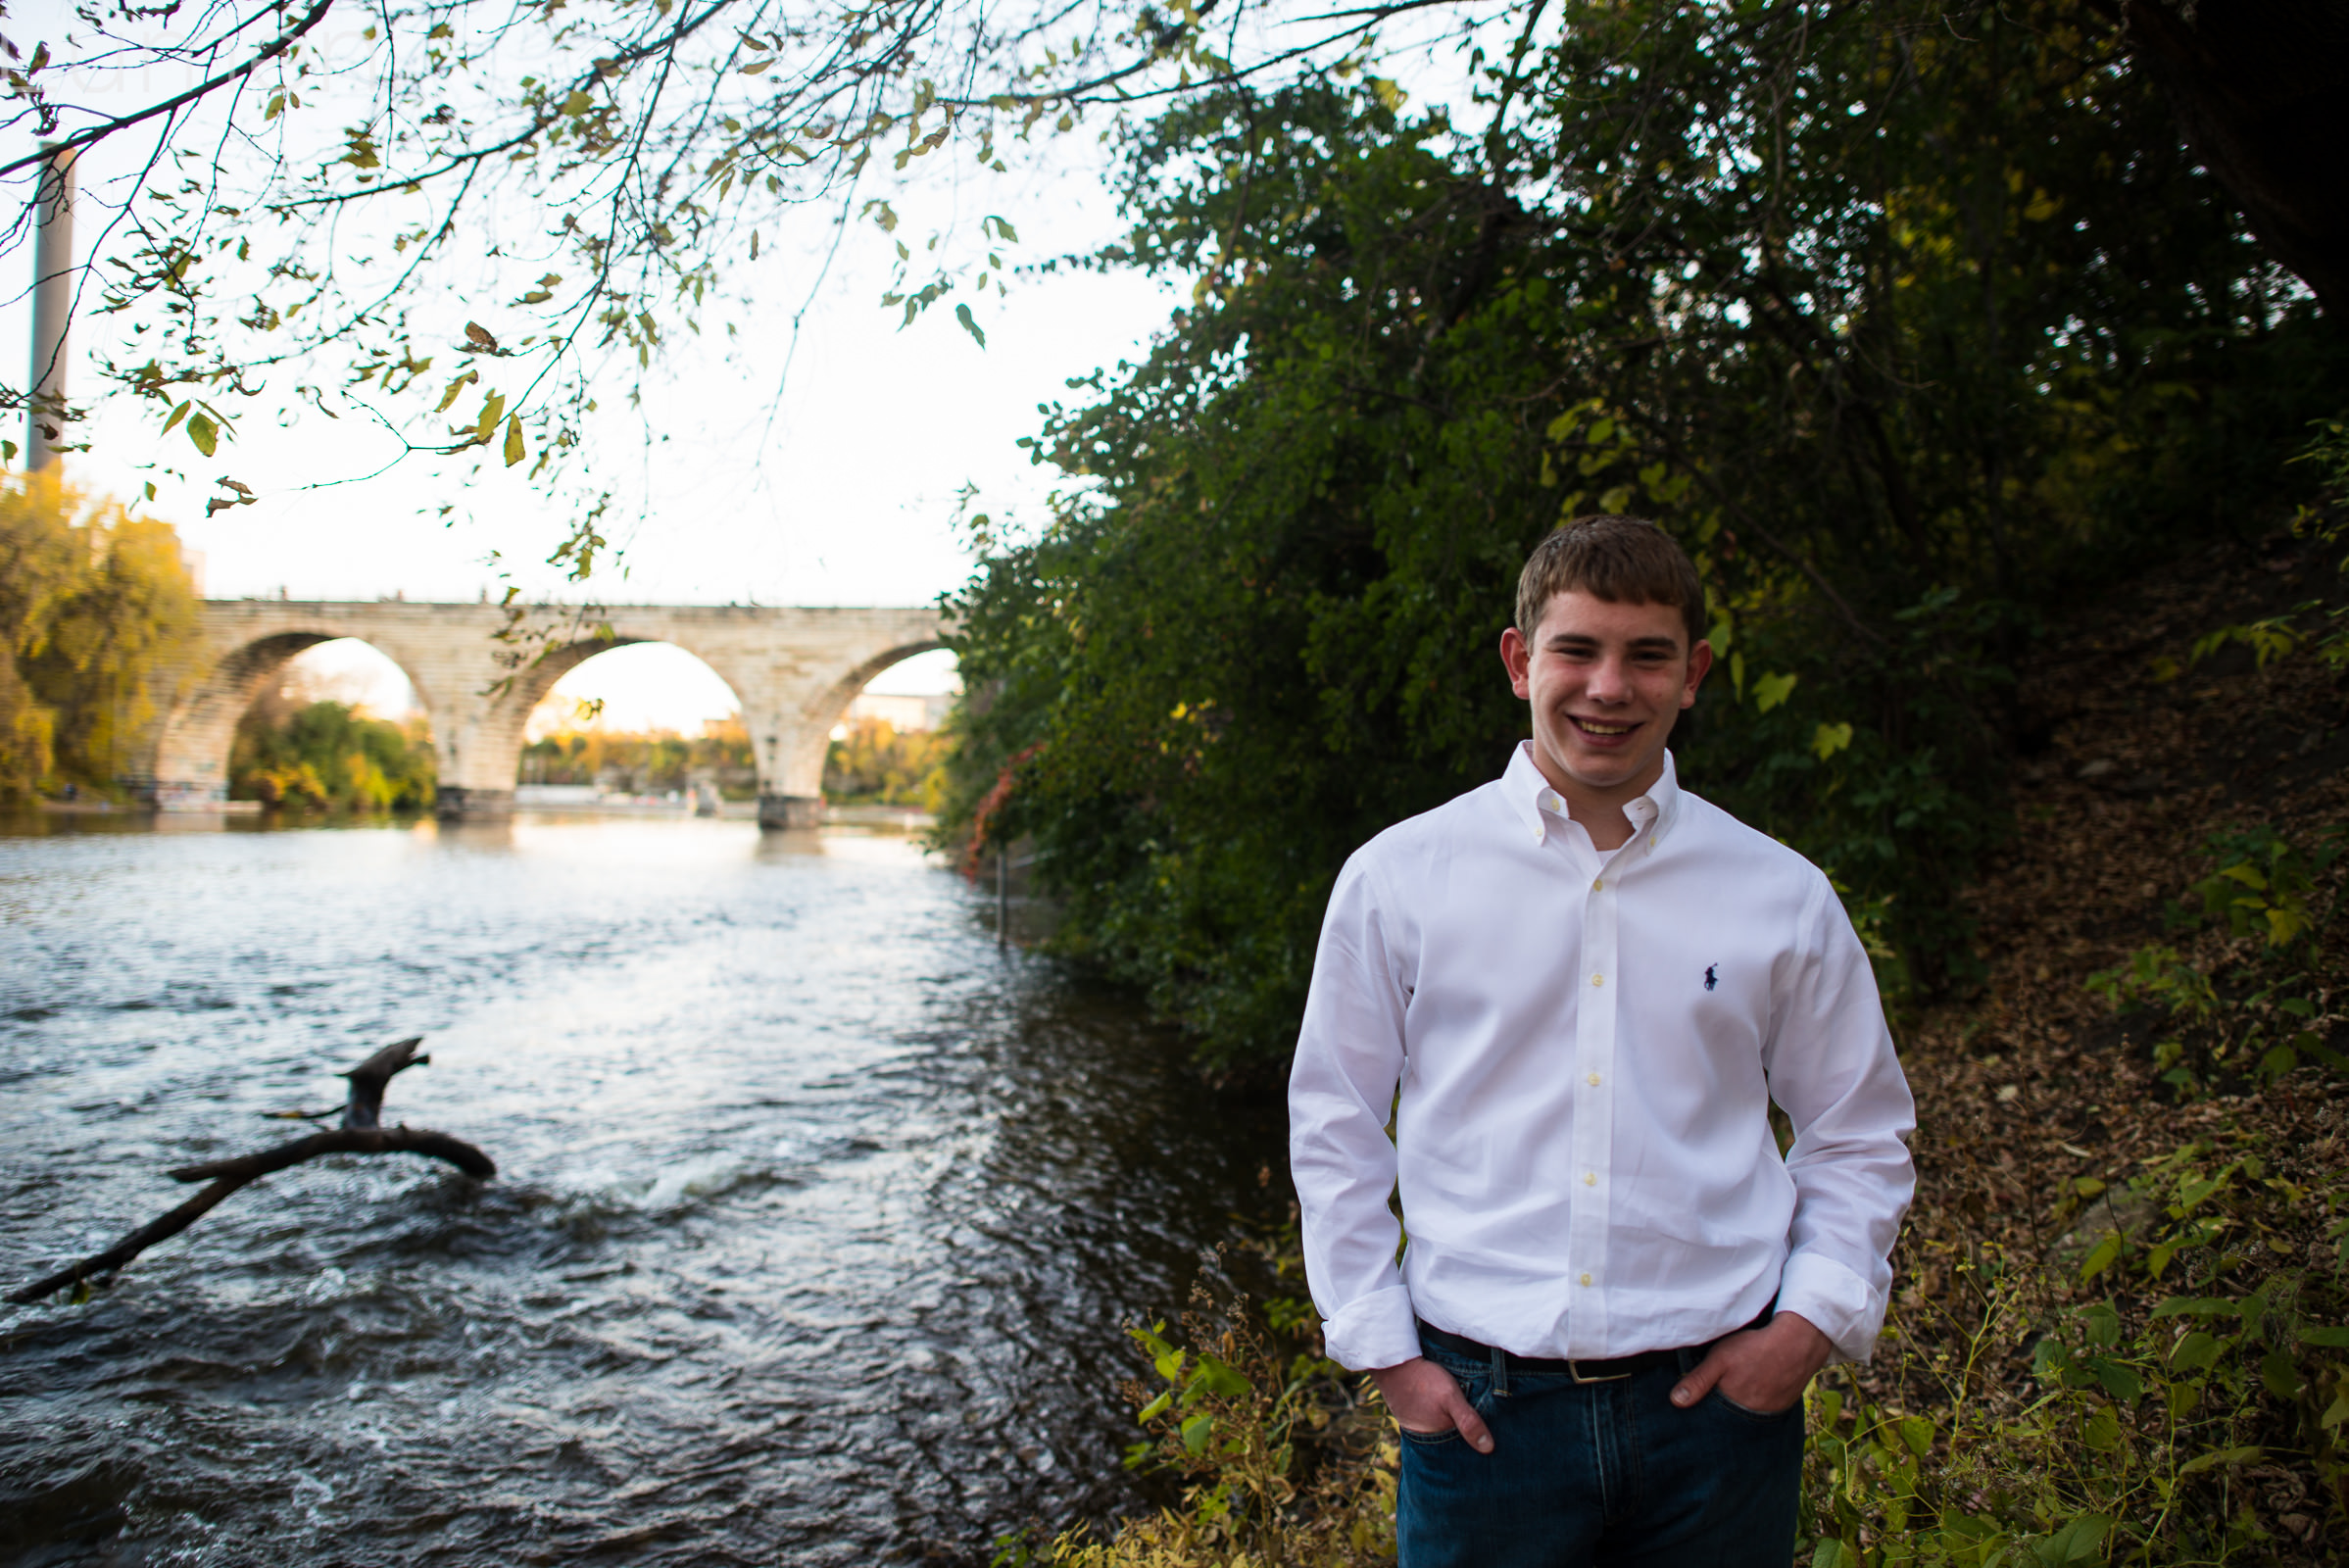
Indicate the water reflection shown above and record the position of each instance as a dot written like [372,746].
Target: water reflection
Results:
[816,1219]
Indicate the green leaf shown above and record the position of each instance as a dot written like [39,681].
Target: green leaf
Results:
[1198,1431]
[179,413]
[200,430]
[2102,1431]
[2101,1258]
[962,314]
[2211,1460]
[2332,1338]
[2196,1352]
[2120,1380]
[2279,1374]
[1831,739]
[513,439]
[2198,1306]
[1220,1380]
[1155,1408]
[2079,1541]
[1770,690]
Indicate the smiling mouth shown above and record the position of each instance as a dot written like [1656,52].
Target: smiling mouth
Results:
[1590,726]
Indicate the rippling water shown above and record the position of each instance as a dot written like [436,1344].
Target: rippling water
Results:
[816,1221]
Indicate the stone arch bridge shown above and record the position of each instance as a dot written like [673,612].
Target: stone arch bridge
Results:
[794,671]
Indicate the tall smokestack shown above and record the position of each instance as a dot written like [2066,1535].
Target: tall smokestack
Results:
[52,308]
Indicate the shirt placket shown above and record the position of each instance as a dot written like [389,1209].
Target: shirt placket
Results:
[1596,1035]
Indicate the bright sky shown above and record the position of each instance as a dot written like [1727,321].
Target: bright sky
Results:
[840,489]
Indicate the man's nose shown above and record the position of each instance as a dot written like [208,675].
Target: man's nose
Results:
[1609,682]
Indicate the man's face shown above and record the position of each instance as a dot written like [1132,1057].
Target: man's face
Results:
[1606,682]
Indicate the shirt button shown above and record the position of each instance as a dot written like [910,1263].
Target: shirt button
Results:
[1586,1279]
[1599,884]
[1598,979]
[1589,1178]
[1594,1080]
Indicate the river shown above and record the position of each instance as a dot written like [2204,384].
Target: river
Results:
[816,1216]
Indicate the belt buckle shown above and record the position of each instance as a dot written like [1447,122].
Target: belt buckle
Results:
[1573,1370]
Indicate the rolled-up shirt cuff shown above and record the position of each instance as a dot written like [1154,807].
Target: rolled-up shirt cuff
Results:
[1377,1331]
[1835,1301]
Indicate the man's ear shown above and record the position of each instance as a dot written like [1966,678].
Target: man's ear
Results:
[1517,659]
[1700,661]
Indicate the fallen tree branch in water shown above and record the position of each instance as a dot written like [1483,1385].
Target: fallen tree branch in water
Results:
[361,1133]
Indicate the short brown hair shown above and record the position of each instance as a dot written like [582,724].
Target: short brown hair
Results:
[1617,559]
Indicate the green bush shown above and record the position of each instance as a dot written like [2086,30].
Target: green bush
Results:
[2191,1415]
[331,756]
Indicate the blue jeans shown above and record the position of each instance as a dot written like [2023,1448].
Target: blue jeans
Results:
[1597,1475]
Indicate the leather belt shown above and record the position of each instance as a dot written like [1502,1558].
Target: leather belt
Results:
[1581,1371]
[1610,1370]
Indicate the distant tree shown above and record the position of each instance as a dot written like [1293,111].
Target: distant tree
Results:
[329,755]
[649,762]
[876,761]
[96,610]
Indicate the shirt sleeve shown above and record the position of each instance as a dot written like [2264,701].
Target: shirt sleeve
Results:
[1832,1069]
[1349,1058]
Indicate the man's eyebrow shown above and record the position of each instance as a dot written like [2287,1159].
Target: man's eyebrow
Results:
[1583,639]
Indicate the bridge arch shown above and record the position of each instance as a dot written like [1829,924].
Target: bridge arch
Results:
[802,771]
[794,670]
[189,769]
[682,671]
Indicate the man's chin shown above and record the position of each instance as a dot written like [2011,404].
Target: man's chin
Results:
[1603,771]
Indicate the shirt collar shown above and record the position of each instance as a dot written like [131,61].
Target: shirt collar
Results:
[1652,815]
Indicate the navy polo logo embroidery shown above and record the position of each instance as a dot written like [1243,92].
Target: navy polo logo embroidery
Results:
[1710,978]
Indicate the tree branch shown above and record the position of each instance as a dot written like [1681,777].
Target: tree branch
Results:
[358,1135]
[99,133]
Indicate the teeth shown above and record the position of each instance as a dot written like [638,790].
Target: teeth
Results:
[1603,729]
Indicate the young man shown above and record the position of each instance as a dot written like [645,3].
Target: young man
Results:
[1576,990]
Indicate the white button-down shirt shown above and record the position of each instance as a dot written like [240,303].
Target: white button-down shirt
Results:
[1577,1049]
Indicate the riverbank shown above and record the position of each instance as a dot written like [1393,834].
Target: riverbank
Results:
[2119,1302]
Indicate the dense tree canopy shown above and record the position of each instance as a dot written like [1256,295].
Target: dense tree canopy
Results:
[96,609]
[1910,321]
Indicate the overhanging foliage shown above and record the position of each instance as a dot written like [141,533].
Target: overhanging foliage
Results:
[1911,322]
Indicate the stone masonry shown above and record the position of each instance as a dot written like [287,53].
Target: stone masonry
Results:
[795,671]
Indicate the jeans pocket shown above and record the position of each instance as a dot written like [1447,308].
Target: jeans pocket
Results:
[1757,1415]
[1429,1440]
